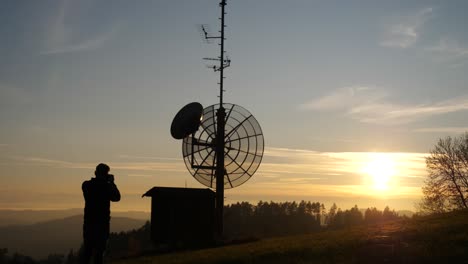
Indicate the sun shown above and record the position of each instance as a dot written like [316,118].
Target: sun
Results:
[380,168]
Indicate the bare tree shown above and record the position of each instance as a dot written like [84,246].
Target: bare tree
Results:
[446,187]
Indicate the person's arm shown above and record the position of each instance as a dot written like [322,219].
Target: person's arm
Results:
[84,188]
[114,194]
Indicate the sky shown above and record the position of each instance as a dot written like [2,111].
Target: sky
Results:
[351,95]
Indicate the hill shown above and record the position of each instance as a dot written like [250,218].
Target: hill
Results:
[55,236]
[29,217]
[439,238]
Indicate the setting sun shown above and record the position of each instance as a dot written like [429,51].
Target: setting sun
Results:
[380,168]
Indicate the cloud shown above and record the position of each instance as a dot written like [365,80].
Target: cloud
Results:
[394,114]
[281,168]
[140,175]
[457,130]
[332,167]
[450,50]
[285,172]
[450,46]
[82,45]
[398,114]
[39,161]
[406,31]
[125,165]
[62,37]
[125,156]
[372,106]
[344,98]
[286,152]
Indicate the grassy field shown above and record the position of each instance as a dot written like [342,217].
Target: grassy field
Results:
[433,239]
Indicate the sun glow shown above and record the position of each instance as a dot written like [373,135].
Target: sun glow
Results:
[380,168]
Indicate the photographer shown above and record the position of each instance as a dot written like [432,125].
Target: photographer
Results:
[98,193]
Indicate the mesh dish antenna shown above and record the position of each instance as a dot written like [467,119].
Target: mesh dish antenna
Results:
[222,144]
[243,147]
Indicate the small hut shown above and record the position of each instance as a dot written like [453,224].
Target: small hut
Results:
[182,216]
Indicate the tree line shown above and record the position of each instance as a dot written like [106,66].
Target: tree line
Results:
[17,258]
[242,221]
[269,219]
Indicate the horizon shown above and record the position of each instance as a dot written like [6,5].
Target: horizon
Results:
[351,97]
[149,211]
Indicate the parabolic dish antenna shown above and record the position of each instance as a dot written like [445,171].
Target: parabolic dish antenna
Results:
[243,147]
[187,120]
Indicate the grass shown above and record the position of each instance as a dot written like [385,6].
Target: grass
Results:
[433,239]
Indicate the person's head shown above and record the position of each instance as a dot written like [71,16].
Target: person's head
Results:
[102,170]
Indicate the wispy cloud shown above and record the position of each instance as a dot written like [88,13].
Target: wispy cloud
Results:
[125,165]
[285,174]
[140,175]
[53,163]
[92,43]
[286,152]
[450,46]
[387,113]
[287,171]
[125,156]
[345,98]
[279,166]
[456,130]
[451,51]
[62,37]
[333,167]
[406,31]
[373,106]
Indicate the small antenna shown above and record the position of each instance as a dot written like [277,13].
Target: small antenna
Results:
[223,62]
[204,31]
[226,63]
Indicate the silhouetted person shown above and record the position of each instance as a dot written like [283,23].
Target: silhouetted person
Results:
[98,193]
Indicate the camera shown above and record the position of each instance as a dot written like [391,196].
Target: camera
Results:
[110,177]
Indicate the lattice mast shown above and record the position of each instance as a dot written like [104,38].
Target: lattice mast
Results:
[220,115]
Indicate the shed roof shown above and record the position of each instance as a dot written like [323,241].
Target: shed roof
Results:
[179,192]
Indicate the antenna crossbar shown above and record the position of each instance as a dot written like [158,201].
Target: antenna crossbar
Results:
[207,35]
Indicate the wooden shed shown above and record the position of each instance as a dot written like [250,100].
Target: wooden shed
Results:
[182,216]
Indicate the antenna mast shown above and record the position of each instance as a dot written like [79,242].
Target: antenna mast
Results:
[221,115]
[208,149]
[221,63]
[221,124]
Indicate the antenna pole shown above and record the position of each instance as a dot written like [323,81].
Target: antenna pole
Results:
[221,56]
[221,114]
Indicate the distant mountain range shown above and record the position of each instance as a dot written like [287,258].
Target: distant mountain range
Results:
[28,217]
[54,236]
